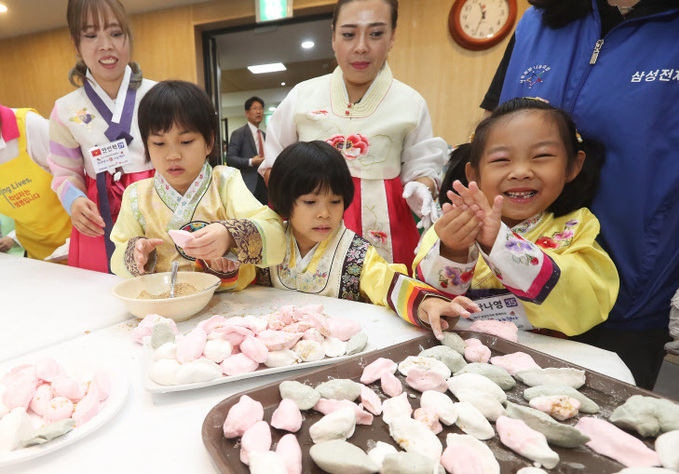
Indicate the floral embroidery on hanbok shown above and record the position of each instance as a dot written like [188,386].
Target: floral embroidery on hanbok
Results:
[351,147]
[82,116]
[453,276]
[249,240]
[183,206]
[558,239]
[547,243]
[351,271]
[317,114]
[378,236]
[528,224]
[309,285]
[520,250]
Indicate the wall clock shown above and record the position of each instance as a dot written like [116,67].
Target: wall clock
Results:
[481,24]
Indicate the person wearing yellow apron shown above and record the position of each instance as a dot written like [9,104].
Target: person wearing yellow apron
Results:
[41,223]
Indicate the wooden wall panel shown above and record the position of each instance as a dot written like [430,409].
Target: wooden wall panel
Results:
[164,44]
[34,70]
[453,80]
[167,45]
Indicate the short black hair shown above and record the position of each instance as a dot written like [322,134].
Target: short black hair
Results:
[305,167]
[252,100]
[181,103]
[577,193]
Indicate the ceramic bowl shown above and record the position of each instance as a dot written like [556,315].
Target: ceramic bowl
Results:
[178,308]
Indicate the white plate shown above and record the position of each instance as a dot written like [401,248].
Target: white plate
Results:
[154,387]
[111,406]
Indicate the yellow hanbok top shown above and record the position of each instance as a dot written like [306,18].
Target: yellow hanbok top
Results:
[347,266]
[151,207]
[566,281]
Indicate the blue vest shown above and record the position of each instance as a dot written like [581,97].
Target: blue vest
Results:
[629,100]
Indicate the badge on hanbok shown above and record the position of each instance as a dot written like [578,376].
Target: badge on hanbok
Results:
[503,307]
[110,156]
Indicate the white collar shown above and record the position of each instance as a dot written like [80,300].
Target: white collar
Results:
[253,129]
[115,106]
[303,262]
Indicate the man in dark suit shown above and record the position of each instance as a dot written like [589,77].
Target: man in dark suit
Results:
[246,149]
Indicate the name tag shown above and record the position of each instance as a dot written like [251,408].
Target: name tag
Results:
[110,156]
[504,307]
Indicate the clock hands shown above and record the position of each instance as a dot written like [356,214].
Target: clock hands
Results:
[482,6]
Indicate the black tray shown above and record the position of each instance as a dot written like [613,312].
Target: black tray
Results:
[607,392]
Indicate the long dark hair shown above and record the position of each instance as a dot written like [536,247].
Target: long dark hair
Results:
[577,193]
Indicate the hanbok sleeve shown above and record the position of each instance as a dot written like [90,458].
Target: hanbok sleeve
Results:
[65,161]
[236,280]
[37,139]
[568,286]
[257,230]
[280,132]
[423,154]
[388,285]
[446,276]
[125,233]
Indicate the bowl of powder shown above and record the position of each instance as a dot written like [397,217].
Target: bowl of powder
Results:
[150,294]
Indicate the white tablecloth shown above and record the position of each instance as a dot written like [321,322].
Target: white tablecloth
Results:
[46,303]
[162,432]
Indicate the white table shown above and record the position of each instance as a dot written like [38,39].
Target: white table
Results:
[162,432]
[46,303]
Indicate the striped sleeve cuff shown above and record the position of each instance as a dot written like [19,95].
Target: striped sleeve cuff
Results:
[405,295]
[229,281]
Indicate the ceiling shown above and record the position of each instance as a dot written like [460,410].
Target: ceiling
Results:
[31,16]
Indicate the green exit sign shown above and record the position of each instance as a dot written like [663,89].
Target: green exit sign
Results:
[270,10]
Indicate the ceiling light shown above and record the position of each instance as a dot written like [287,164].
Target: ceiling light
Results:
[271,109]
[3,8]
[282,83]
[264,68]
[308,44]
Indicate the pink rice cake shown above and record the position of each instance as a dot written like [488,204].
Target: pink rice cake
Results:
[242,416]
[289,449]
[609,440]
[504,329]
[287,416]
[373,371]
[515,362]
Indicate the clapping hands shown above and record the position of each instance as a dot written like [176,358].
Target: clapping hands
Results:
[467,219]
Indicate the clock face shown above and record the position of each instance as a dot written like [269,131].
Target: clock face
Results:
[480,24]
[481,19]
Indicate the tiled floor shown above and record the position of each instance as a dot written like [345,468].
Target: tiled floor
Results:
[668,380]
